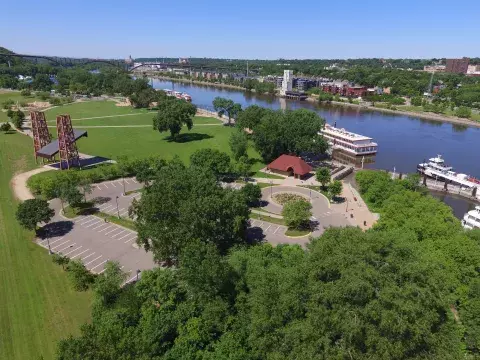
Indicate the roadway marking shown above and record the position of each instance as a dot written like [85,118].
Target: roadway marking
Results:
[276,230]
[88,256]
[125,212]
[111,231]
[98,265]
[135,181]
[126,282]
[60,244]
[93,260]
[130,239]
[104,184]
[107,207]
[103,206]
[127,181]
[268,227]
[93,218]
[99,226]
[66,247]
[124,236]
[74,256]
[121,232]
[108,227]
[53,242]
[254,221]
[73,250]
[113,183]
[94,223]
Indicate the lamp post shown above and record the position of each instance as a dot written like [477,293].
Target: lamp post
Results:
[118,212]
[123,180]
[48,241]
[138,273]
[271,187]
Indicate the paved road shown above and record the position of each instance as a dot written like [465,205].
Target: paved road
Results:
[322,214]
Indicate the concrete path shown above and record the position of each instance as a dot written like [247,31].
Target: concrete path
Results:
[19,184]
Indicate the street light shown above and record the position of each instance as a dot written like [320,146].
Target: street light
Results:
[123,180]
[138,273]
[271,187]
[48,241]
[118,212]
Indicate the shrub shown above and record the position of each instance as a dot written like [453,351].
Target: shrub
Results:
[463,112]
[26,92]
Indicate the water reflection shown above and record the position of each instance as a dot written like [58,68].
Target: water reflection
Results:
[459,205]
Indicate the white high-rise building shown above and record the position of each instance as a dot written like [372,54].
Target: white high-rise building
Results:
[287,81]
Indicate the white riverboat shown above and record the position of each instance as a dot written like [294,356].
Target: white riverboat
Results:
[353,143]
[471,220]
[436,169]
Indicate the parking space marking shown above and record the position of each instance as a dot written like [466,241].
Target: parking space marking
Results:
[52,242]
[74,256]
[88,256]
[130,239]
[104,206]
[278,228]
[111,231]
[94,223]
[105,184]
[66,247]
[127,181]
[121,232]
[93,218]
[73,250]
[112,183]
[268,227]
[253,223]
[99,226]
[98,265]
[108,227]
[125,212]
[133,278]
[135,181]
[60,244]
[124,236]
[93,260]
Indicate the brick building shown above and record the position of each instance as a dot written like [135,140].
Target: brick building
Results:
[459,66]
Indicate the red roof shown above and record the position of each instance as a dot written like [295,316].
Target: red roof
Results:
[286,162]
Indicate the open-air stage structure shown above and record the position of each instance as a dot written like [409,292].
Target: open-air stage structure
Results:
[65,145]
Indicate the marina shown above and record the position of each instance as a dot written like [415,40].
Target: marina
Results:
[471,220]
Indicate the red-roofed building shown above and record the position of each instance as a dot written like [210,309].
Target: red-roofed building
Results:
[290,166]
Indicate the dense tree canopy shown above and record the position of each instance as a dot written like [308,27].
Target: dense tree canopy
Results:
[250,117]
[33,211]
[289,132]
[211,160]
[186,203]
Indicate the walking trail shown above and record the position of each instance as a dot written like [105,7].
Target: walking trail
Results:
[19,183]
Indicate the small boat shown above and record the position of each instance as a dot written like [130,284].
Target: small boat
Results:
[186,97]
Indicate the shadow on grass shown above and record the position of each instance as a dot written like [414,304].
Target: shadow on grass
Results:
[188,137]
[54,229]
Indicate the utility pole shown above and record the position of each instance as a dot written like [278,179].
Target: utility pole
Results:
[118,212]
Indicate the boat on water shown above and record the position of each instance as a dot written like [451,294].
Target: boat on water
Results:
[179,95]
[436,169]
[471,219]
[350,142]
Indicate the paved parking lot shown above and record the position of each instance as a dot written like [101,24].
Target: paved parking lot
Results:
[94,242]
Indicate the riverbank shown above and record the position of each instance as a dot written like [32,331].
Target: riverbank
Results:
[196,82]
[421,115]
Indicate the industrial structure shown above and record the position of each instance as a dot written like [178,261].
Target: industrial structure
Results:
[459,66]
[41,135]
[65,145]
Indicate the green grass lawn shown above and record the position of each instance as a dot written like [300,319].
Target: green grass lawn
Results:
[15,96]
[38,306]
[88,109]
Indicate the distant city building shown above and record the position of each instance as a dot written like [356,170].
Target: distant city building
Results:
[301,84]
[183,61]
[434,68]
[459,66]
[473,70]
[287,83]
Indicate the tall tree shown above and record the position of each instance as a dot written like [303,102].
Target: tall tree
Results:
[297,213]
[251,117]
[172,115]
[33,211]
[238,144]
[184,204]
[226,107]
[335,188]
[212,160]
[322,175]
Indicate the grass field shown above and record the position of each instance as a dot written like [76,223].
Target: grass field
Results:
[15,96]
[143,141]
[37,303]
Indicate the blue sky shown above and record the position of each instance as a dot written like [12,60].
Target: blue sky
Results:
[243,29]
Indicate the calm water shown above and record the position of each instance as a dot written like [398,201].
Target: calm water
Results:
[403,141]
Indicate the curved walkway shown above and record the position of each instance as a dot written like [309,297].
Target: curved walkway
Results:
[19,183]
[322,214]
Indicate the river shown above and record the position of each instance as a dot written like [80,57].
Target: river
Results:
[403,141]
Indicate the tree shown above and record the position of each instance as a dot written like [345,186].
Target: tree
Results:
[335,188]
[322,175]
[184,204]
[108,285]
[69,193]
[238,144]
[60,260]
[463,112]
[289,132]
[244,166]
[172,115]
[416,101]
[297,213]
[86,187]
[42,82]
[25,92]
[252,194]
[5,127]
[33,211]
[251,117]
[212,160]
[18,119]
[226,106]
[143,97]
[80,277]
